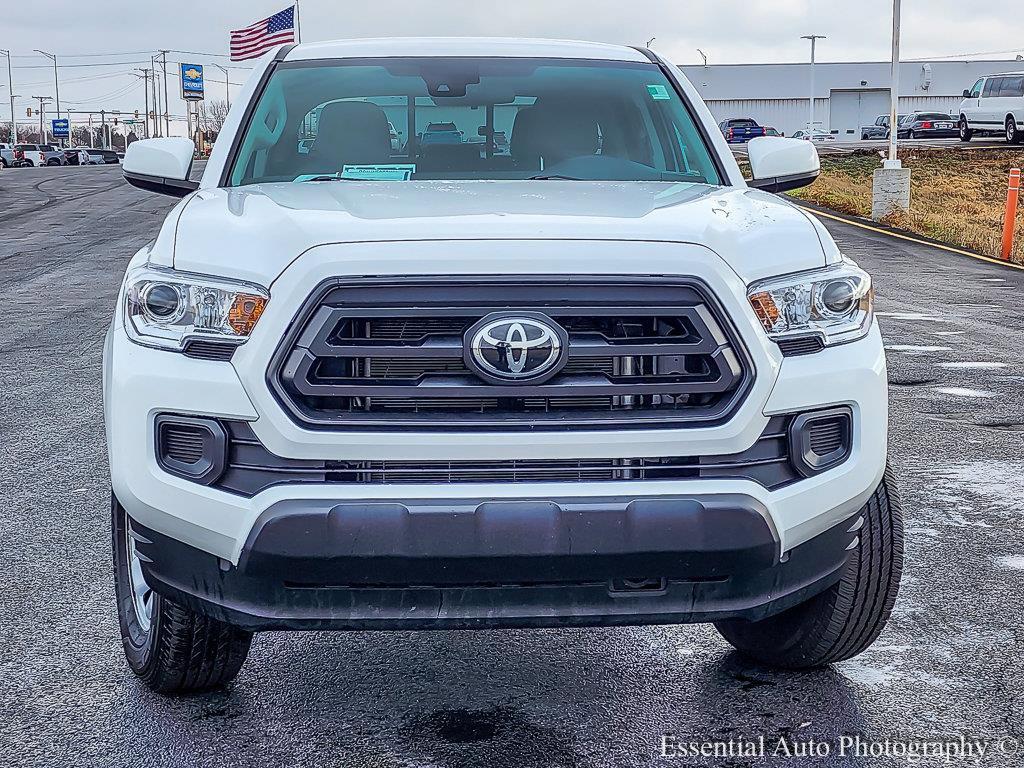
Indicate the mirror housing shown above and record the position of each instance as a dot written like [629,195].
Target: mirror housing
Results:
[161,165]
[967,93]
[778,164]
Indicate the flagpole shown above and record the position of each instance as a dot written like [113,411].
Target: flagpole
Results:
[298,27]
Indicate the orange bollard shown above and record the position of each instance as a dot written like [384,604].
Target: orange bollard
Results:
[1010,222]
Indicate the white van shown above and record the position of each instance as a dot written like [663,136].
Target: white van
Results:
[994,105]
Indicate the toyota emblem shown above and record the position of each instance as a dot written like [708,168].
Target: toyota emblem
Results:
[524,348]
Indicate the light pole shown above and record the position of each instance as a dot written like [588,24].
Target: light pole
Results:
[894,89]
[814,40]
[10,84]
[890,188]
[56,82]
[227,83]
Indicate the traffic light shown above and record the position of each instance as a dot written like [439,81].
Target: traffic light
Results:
[28,111]
[115,121]
[136,114]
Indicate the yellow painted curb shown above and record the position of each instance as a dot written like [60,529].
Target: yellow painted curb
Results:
[910,239]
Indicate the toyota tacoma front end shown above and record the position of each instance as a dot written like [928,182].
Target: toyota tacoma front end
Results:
[594,379]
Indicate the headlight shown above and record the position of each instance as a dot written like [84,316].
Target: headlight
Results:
[164,308]
[834,303]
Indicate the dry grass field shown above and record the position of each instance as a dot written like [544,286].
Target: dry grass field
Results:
[958,195]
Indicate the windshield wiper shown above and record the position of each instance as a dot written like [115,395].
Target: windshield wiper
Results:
[553,177]
[333,178]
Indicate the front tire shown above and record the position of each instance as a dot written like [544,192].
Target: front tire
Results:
[1013,136]
[843,621]
[966,134]
[172,649]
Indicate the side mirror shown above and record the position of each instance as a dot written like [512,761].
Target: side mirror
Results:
[967,94]
[778,164]
[161,165]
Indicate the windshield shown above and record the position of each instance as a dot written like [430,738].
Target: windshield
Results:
[471,118]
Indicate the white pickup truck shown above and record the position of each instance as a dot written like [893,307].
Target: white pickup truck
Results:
[599,379]
[38,155]
[6,155]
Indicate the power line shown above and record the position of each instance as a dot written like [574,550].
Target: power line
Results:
[79,66]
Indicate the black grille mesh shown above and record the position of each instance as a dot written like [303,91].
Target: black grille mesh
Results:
[182,443]
[391,356]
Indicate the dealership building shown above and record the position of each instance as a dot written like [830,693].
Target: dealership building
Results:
[847,95]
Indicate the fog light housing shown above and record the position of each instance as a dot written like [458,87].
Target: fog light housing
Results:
[192,448]
[821,440]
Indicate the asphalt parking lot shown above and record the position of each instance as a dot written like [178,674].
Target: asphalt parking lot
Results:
[949,664]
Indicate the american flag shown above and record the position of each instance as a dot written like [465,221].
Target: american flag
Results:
[258,38]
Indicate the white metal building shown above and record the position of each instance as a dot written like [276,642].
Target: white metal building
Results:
[848,95]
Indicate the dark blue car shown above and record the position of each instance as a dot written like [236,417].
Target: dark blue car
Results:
[741,130]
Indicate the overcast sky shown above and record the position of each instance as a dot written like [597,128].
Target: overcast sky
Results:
[120,35]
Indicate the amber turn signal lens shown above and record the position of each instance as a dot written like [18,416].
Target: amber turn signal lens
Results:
[765,309]
[245,312]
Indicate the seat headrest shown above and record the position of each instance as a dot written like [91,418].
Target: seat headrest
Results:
[351,133]
[554,132]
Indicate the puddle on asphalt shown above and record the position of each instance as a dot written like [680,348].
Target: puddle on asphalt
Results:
[963,392]
[910,316]
[914,348]
[968,366]
[1013,562]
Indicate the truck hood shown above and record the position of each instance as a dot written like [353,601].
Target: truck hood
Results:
[255,232]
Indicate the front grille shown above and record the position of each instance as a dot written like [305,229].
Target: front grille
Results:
[251,468]
[388,355]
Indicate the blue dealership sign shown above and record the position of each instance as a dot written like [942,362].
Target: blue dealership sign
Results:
[192,81]
[61,129]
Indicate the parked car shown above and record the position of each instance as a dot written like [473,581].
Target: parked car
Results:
[105,156]
[6,155]
[39,155]
[442,133]
[994,105]
[633,410]
[817,136]
[77,156]
[928,125]
[740,130]
[772,132]
[92,157]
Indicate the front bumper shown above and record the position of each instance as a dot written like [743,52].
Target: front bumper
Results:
[437,565]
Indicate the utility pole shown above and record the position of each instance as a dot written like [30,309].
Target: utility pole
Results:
[167,114]
[227,83]
[703,56]
[42,109]
[814,40]
[145,92]
[10,84]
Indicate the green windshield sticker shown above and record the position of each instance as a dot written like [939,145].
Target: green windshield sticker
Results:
[391,172]
[658,92]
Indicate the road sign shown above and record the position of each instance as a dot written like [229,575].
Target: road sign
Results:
[61,129]
[192,82]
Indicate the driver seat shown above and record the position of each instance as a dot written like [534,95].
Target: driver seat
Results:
[555,132]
